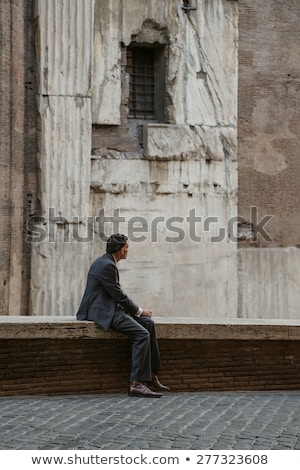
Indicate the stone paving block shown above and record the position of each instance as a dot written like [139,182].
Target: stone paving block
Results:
[200,421]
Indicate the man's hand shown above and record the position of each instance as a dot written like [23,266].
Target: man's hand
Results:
[147,313]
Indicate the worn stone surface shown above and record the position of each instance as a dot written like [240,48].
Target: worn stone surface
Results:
[59,270]
[64,51]
[196,142]
[269,282]
[106,84]
[167,212]
[199,178]
[64,156]
[67,327]
[64,47]
[165,255]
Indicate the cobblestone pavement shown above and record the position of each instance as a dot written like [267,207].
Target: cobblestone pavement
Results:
[237,420]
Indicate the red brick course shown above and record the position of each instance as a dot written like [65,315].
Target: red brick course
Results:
[269,116]
[53,367]
[18,169]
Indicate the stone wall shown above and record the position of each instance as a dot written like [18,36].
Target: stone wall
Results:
[64,54]
[157,178]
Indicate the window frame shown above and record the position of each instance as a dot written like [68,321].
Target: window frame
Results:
[151,74]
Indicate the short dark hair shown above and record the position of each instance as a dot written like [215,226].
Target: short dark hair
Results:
[116,242]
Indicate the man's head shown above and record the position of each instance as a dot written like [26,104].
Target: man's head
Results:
[117,244]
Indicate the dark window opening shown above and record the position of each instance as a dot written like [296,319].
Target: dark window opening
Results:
[145,66]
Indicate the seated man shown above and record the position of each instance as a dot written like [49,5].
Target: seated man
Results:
[105,303]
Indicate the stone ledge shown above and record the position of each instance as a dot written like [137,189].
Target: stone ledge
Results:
[37,327]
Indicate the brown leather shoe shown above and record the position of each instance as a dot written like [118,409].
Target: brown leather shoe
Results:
[138,389]
[157,384]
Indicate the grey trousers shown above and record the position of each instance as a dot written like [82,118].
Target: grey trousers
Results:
[145,356]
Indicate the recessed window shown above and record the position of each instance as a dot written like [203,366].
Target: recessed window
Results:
[145,66]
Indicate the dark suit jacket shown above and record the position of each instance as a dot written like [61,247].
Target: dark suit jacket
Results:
[103,293]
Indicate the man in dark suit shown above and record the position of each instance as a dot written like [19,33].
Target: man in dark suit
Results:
[105,303]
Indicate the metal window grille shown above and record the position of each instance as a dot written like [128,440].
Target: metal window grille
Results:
[140,66]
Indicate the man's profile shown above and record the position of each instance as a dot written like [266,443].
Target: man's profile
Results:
[105,303]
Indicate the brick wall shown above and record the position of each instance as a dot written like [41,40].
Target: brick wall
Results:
[45,366]
[269,116]
[17,150]
[30,200]
[5,152]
